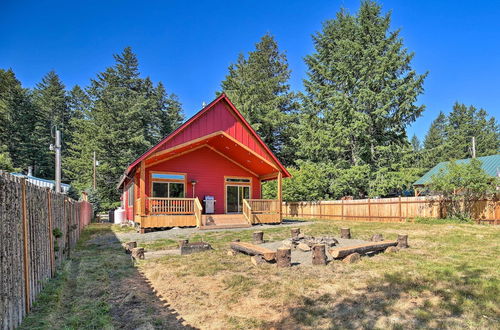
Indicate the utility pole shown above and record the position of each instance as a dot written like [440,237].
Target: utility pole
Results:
[94,165]
[58,160]
[473,147]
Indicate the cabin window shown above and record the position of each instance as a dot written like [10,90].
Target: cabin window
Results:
[168,185]
[168,189]
[130,193]
[237,180]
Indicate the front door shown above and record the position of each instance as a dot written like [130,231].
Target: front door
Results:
[234,197]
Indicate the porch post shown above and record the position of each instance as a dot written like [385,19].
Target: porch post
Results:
[142,188]
[280,197]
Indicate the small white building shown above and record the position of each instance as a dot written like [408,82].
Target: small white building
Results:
[43,182]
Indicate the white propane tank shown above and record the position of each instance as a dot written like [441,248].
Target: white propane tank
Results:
[119,215]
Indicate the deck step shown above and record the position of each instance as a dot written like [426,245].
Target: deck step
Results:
[225,226]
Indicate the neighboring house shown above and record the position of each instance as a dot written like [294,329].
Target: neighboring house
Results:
[214,156]
[43,182]
[490,164]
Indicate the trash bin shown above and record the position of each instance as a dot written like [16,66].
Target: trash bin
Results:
[111,216]
[209,204]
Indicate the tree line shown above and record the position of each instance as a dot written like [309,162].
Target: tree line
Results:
[344,134]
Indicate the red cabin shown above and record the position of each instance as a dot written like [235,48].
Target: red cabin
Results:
[207,172]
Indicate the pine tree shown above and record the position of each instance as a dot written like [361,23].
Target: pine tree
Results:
[119,116]
[258,86]
[77,166]
[360,93]
[169,108]
[435,142]
[361,90]
[51,102]
[18,122]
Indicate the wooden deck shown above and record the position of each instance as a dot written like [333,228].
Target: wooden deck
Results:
[223,221]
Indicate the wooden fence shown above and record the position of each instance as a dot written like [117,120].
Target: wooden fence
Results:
[38,230]
[387,209]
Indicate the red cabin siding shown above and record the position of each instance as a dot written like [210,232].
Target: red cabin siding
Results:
[209,169]
[220,118]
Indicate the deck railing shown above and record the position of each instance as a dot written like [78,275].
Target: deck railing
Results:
[137,206]
[157,205]
[247,211]
[198,208]
[264,205]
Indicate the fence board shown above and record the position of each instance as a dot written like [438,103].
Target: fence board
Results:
[24,272]
[396,209]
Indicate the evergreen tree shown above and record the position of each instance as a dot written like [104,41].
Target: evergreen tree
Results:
[360,89]
[258,86]
[119,116]
[435,142]
[51,102]
[18,121]
[467,122]
[361,92]
[77,166]
[170,110]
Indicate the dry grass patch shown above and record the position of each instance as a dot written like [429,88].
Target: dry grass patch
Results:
[448,278]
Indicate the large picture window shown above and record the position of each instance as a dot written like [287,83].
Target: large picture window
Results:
[168,185]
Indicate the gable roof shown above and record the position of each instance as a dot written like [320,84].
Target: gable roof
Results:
[177,132]
[490,164]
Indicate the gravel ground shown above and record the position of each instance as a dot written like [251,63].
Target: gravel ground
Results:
[305,258]
[183,233]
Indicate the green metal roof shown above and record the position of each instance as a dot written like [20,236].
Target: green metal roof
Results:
[490,164]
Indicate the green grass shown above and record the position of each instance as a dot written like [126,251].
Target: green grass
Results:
[449,277]
[89,288]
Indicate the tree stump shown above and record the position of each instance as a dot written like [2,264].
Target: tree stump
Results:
[138,253]
[257,260]
[319,254]
[284,257]
[352,258]
[377,238]
[391,249]
[258,237]
[345,233]
[402,241]
[295,232]
[183,242]
[128,246]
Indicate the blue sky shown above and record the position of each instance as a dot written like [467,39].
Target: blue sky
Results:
[189,45]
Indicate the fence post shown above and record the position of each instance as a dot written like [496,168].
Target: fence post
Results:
[26,252]
[342,209]
[51,238]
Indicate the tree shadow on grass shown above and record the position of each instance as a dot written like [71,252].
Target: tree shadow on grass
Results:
[397,300]
[100,287]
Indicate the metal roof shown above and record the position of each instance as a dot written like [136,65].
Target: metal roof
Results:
[490,164]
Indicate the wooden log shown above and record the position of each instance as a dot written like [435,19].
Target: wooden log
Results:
[258,237]
[402,241]
[361,249]
[295,232]
[183,242]
[137,253]
[283,257]
[253,250]
[345,233]
[257,260]
[377,238]
[319,254]
[128,246]
[352,258]
[391,249]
